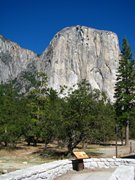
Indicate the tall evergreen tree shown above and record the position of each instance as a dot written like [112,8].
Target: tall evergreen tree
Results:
[125,87]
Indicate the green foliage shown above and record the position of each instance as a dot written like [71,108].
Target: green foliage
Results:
[84,115]
[9,111]
[52,117]
[24,82]
[36,99]
[132,123]
[125,85]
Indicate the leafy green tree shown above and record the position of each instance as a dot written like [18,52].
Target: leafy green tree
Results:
[125,88]
[75,109]
[104,122]
[44,112]
[51,118]
[36,99]
[9,115]
[86,116]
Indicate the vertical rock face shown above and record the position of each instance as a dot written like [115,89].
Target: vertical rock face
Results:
[74,54]
[80,52]
[14,59]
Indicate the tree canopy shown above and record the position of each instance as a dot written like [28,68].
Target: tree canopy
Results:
[125,86]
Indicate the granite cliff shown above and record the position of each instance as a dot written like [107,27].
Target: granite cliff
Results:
[74,53]
[14,60]
[80,52]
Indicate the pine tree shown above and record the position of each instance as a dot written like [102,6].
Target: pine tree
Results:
[125,87]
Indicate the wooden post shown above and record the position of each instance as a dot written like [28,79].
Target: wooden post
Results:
[130,147]
[116,138]
[116,146]
[127,133]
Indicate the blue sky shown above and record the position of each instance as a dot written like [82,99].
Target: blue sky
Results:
[33,23]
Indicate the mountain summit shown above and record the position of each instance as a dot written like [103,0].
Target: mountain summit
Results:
[75,53]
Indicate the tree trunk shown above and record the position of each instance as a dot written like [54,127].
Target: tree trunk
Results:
[122,138]
[127,133]
[34,142]
[70,146]
[45,147]
[5,143]
[73,143]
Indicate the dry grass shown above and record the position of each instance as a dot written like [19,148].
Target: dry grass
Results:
[24,156]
